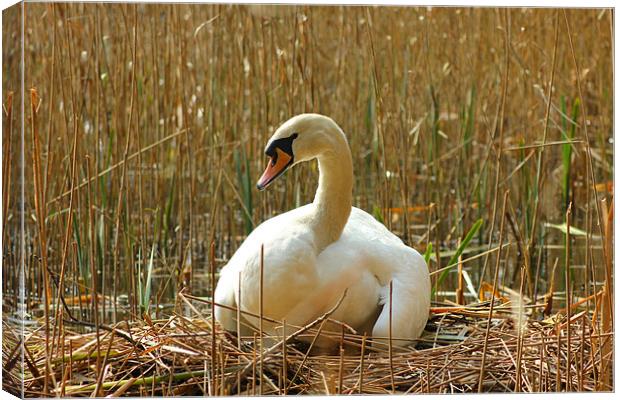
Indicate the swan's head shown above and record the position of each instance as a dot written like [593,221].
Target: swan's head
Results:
[301,138]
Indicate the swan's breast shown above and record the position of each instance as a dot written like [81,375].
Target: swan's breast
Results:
[289,264]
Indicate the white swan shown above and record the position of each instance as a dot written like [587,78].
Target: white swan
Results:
[313,253]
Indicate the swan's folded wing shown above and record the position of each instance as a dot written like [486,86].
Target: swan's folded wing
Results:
[323,298]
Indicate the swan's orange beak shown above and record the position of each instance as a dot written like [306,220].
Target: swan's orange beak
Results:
[275,167]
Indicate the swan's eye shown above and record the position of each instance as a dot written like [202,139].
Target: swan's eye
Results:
[283,144]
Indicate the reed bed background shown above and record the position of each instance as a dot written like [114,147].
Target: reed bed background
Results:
[482,137]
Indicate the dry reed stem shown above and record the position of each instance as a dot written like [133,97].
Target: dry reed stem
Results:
[567,289]
[492,303]
[213,340]
[390,340]
[260,313]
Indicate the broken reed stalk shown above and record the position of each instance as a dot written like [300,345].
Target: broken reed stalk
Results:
[213,324]
[603,309]
[590,268]
[253,365]
[100,375]
[520,312]
[260,321]
[437,246]
[459,289]
[558,369]
[67,370]
[607,351]
[361,364]
[238,326]
[581,352]
[495,276]
[568,297]
[390,342]
[340,365]
[70,366]
[284,362]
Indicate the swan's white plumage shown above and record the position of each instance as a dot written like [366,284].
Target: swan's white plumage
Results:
[305,274]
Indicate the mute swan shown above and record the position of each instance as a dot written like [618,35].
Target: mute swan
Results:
[314,252]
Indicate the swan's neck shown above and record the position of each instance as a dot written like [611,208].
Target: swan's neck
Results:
[333,197]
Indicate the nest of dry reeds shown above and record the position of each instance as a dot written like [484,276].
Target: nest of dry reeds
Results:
[491,347]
